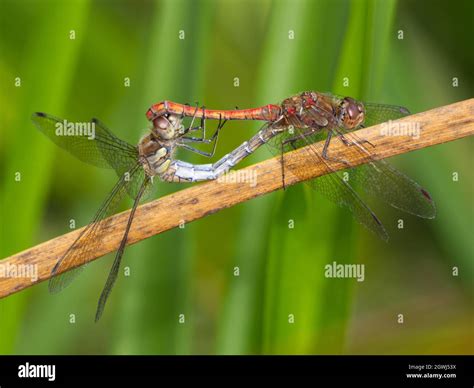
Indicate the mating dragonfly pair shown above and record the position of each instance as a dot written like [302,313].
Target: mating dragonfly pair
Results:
[299,121]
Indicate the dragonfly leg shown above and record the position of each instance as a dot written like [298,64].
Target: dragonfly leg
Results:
[213,140]
[325,155]
[194,139]
[282,160]
[201,127]
[182,116]
[291,141]
[215,136]
[193,117]
[203,122]
[350,143]
[195,150]
[202,139]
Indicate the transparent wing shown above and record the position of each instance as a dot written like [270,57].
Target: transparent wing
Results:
[118,257]
[379,113]
[380,179]
[74,259]
[103,149]
[118,153]
[122,162]
[332,185]
[377,178]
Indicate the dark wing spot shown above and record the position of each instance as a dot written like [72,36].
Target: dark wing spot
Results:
[426,194]
[405,111]
[40,114]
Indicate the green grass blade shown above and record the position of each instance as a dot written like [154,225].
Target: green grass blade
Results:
[45,81]
[161,287]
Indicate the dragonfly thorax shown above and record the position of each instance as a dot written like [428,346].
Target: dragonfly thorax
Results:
[155,154]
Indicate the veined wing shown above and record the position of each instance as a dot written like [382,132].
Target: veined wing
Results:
[122,161]
[380,179]
[332,185]
[74,259]
[118,153]
[379,113]
[100,148]
[118,256]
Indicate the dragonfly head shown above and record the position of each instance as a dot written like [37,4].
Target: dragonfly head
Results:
[167,127]
[352,113]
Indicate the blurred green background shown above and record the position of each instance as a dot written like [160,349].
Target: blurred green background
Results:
[236,53]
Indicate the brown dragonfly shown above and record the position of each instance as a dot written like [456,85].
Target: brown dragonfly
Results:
[136,166]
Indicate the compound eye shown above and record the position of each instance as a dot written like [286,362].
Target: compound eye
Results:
[161,122]
[352,108]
